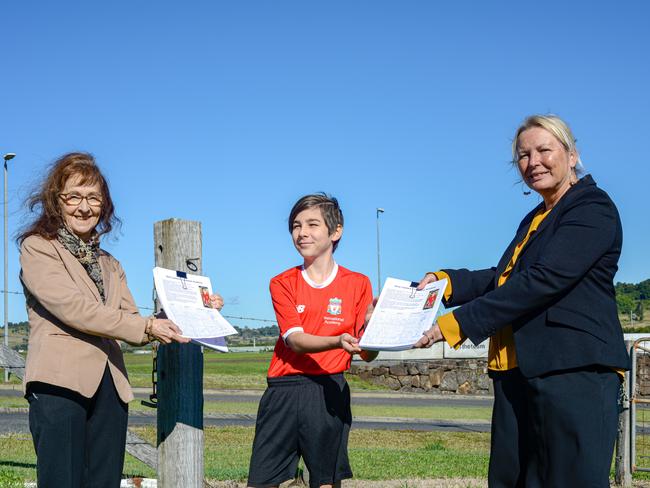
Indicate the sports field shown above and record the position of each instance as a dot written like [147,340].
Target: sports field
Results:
[433,458]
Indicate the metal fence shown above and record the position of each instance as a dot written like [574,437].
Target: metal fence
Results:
[640,405]
[633,443]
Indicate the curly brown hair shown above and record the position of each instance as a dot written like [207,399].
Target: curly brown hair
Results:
[44,201]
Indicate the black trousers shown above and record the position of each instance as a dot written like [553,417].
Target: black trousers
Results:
[556,431]
[79,441]
[302,416]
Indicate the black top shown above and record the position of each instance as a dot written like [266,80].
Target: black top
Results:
[559,297]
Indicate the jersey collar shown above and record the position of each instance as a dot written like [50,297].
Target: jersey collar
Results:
[325,283]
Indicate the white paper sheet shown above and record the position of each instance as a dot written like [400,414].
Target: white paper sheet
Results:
[402,314]
[186,301]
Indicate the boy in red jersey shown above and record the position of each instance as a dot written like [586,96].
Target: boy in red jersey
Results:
[321,309]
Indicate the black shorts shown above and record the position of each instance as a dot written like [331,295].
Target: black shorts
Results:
[306,416]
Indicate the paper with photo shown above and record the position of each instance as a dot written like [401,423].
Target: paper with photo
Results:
[185,299]
[402,314]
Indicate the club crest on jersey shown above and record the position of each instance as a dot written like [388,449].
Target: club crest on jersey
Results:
[335,306]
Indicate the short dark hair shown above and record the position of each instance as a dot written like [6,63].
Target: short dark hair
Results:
[329,207]
[44,201]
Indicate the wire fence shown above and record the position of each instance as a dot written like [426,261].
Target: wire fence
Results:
[151,309]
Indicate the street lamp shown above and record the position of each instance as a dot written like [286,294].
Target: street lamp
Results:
[379,211]
[7,157]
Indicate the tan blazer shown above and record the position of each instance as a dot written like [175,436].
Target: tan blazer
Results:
[72,333]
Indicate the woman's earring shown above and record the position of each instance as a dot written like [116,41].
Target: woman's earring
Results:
[524,190]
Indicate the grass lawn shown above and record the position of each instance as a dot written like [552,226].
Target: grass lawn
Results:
[222,407]
[374,455]
[235,370]
[18,461]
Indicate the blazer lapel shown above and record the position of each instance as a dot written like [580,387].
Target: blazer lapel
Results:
[552,215]
[76,270]
[519,236]
[109,282]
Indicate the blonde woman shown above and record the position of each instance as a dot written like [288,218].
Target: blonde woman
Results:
[556,345]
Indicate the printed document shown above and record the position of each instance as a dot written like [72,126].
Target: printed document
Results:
[185,299]
[402,314]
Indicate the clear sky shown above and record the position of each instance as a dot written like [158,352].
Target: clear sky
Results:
[227,112]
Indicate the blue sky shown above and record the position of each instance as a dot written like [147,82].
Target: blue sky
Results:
[227,112]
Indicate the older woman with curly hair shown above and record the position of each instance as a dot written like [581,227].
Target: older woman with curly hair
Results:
[79,306]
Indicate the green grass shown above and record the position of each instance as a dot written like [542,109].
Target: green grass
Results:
[220,371]
[11,479]
[13,402]
[231,371]
[222,407]
[18,460]
[13,380]
[377,455]
[235,370]
[374,455]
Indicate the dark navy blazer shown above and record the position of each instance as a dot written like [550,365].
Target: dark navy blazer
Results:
[560,297]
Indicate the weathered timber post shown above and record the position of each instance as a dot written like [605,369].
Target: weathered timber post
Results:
[180,370]
[622,460]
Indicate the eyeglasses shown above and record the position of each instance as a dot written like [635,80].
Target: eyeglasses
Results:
[75,199]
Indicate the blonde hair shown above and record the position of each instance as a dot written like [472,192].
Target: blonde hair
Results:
[556,126]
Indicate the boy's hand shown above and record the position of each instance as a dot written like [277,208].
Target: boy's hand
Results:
[370,309]
[349,344]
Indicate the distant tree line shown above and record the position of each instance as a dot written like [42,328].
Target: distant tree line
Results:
[633,298]
[247,334]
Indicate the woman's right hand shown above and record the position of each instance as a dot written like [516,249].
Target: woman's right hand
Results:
[430,337]
[166,331]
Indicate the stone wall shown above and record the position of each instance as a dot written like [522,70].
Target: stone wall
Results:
[436,376]
[454,376]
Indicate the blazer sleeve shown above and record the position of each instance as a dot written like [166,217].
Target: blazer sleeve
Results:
[468,285]
[583,234]
[45,276]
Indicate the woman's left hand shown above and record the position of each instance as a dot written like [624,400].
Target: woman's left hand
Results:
[430,337]
[430,277]
[216,301]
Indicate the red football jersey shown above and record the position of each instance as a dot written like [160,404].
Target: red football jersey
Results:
[330,308]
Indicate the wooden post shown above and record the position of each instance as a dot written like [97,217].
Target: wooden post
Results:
[622,461]
[180,371]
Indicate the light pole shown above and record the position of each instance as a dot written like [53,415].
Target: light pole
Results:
[379,211]
[7,157]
